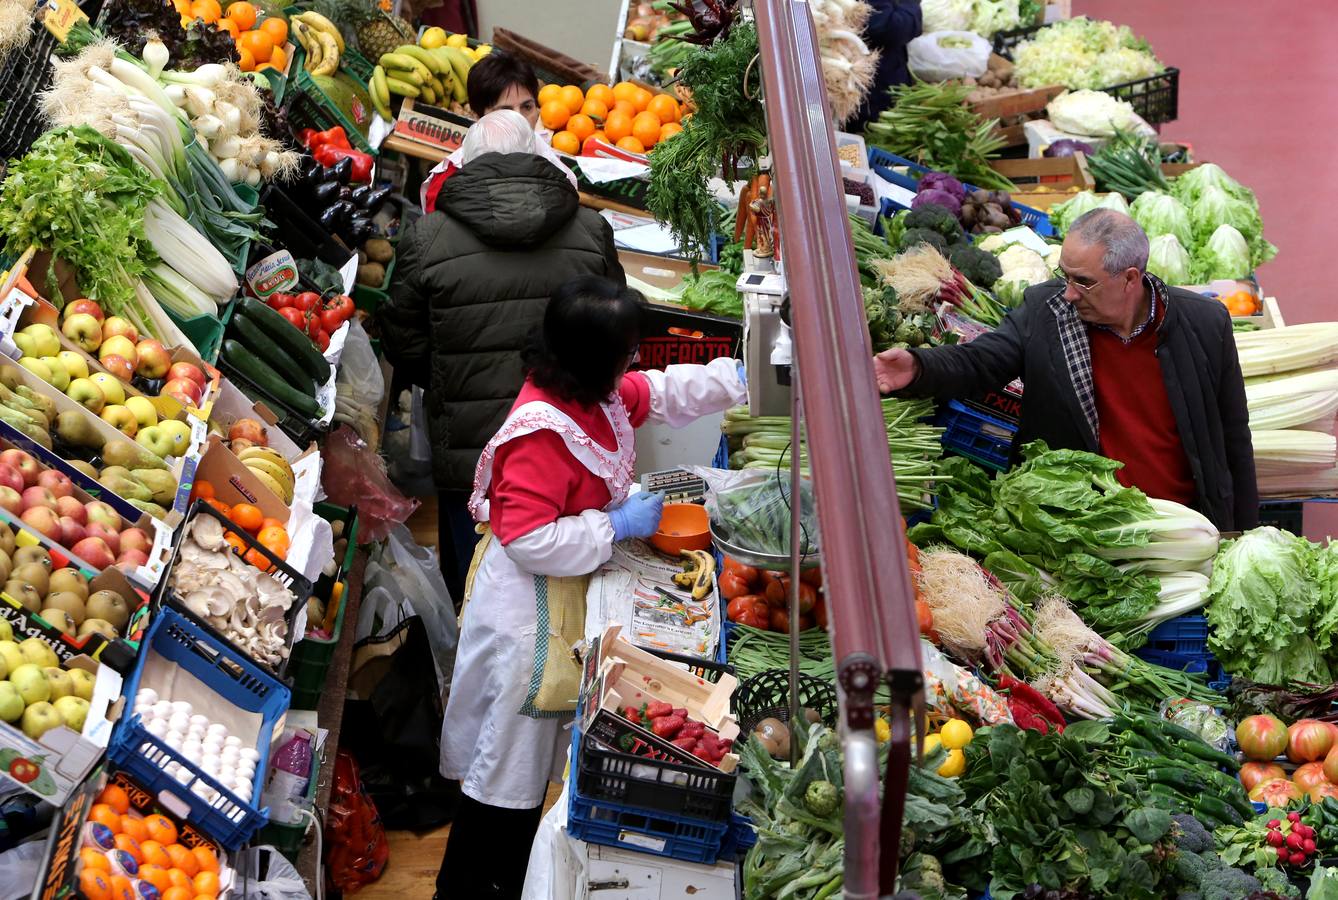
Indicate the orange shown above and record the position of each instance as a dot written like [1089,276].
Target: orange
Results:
[598,137]
[203,489]
[664,107]
[206,883]
[248,517]
[182,880]
[134,827]
[230,27]
[161,829]
[180,892]
[156,876]
[581,125]
[95,885]
[236,543]
[573,97]
[601,93]
[626,107]
[258,559]
[206,858]
[566,142]
[625,90]
[248,60]
[548,93]
[278,58]
[115,797]
[181,6]
[669,129]
[103,814]
[155,854]
[244,14]
[631,145]
[259,43]
[276,28]
[270,523]
[618,126]
[121,888]
[209,10]
[554,114]
[183,859]
[275,540]
[595,109]
[641,99]
[220,506]
[646,129]
[130,845]
[91,858]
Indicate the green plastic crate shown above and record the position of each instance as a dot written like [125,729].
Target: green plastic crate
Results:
[369,298]
[288,839]
[205,332]
[311,657]
[313,108]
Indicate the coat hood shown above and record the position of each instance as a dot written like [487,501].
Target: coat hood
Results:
[516,199]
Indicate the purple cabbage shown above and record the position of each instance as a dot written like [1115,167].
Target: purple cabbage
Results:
[1068,147]
[938,197]
[944,182]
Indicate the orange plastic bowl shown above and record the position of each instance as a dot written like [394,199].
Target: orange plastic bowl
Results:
[683,526]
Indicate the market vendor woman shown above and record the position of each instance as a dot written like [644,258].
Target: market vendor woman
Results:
[554,488]
[1114,362]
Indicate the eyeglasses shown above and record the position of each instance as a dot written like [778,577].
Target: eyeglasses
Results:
[1084,285]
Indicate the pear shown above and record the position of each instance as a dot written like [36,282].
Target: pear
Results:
[163,484]
[129,455]
[32,553]
[36,574]
[6,539]
[123,485]
[24,594]
[85,468]
[153,509]
[74,428]
[108,606]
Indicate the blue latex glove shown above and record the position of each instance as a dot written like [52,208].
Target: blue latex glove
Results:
[743,375]
[637,517]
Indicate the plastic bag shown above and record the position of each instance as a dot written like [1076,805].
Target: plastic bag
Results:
[417,571]
[20,868]
[356,476]
[359,378]
[751,509]
[945,55]
[1199,718]
[951,690]
[264,874]
[354,835]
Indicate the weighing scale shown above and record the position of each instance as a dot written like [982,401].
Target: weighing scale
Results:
[766,339]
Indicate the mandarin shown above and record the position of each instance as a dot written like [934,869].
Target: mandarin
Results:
[664,107]
[646,129]
[573,97]
[243,13]
[554,114]
[115,796]
[631,145]
[582,126]
[161,829]
[276,28]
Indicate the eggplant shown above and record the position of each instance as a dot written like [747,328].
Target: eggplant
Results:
[360,195]
[343,170]
[325,194]
[311,173]
[346,193]
[328,173]
[376,199]
[360,229]
[336,217]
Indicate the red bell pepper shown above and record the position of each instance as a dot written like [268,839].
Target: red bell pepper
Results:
[328,154]
[333,137]
[306,137]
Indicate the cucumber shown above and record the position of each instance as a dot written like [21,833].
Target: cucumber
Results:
[264,378]
[286,335]
[255,340]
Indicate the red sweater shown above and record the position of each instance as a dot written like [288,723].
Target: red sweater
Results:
[1137,423]
[535,480]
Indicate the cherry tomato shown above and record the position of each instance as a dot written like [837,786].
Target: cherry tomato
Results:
[294,315]
[307,300]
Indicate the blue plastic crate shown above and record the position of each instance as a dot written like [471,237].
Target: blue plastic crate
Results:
[1185,635]
[721,458]
[236,680]
[976,435]
[1191,665]
[690,840]
[884,165]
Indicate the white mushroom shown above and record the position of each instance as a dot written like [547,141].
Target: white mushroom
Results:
[208,532]
[198,603]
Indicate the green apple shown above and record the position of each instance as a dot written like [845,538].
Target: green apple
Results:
[45,341]
[11,703]
[39,718]
[155,440]
[31,682]
[6,632]
[83,330]
[179,431]
[143,408]
[25,344]
[62,685]
[111,387]
[73,710]
[83,683]
[60,379]
[12,656]
[38,652]
[119,345]
[75,364]
[37,367]
[87,394]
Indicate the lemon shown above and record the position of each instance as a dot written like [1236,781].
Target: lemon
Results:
[882,730]
[954,765]
[459,41]
[433,38]
[931,743]
[956,734]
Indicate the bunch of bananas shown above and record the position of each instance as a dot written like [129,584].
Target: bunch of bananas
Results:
[697,574]
[321,39]
[272,470]
[434,74]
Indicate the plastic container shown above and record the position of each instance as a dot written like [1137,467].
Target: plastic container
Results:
[205,332]
[311,656]
[976,435]
[1186,635]
[288,839]
[25,73]
[230,820]
[313,108]
[767,696]
[683,526]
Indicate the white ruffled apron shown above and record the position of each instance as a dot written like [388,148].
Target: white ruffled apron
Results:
[501,756]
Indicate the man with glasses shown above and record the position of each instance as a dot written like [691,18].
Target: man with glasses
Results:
[1113,362]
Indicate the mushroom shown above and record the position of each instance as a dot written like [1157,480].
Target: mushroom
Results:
[208,533]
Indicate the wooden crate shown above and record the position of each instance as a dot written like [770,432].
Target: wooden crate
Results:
[1012,108]
[1043,182]
[552,66]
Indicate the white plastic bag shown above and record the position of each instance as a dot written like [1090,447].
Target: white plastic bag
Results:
[945,55]
[263,874]
[20,868]
[359,378]
[413,576]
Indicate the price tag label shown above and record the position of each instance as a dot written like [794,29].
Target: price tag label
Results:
[60,16]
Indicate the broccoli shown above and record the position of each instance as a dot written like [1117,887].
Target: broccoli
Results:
[1189,895]
[978,266]
[1190,867]
[935,218]
[1274,881]
[1228,884]
[913,236]
[822,799]
[1191,836]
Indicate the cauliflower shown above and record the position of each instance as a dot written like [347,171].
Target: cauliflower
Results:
[1022,264]
[993,243]
[1093,113]
[822,799]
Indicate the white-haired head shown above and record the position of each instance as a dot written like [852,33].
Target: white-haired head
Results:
[500,131]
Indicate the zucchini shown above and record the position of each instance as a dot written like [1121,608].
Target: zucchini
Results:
[269,383]
[251,337]
[287,336]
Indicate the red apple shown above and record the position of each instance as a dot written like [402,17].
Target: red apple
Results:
[10,500]
[42,520]
[11,477]
[135,539]
[184,386]
[39,496]
[189,371]
[106,535]
[132,558]
[57,482]
[72,507]
[95,552]
[119,366]
[83,306]
[115,325]
[103,514]
[71,531]
[28,467]
[154,360]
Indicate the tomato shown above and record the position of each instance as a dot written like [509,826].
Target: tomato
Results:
[736,607]
[1309,775]
[331,320]
[780,621]
[294,316]
[1308,740]
[778,592]
[1331,765]
[1261,737]
[1254,773]
[820,613]
[757,617]
[279,300]
[321,339]
[808,596]
[811,577]
[307,300]
[806,621]
[731,586]
[747,573]
[23,771]
[1276,793]
[1319,792]
[341,305]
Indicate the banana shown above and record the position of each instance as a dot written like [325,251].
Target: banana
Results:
[447,84]
[460,66]
[312,45]
[407,77]
[702,575]
[273,486]
[280,474]
[428,93]
[380,94]
[397,60]
[439,86]
[299,31]
[428,59]
[399,87]
[329,55]
[320,23]
[266,453]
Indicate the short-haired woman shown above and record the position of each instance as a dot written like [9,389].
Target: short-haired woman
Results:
[554,488]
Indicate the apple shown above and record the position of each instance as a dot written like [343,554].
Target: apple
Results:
[74,363]
[84,305]
[45,341]
[188,371]
[11,703]
[37,367]
[112,388]
[119,345]
[184,386]
[25,343]
[11,656]
[11,477]
[39,718]
[136,539]
[132,559]
[39,496]
[57,482]
[42,520]
[28,467]
[36,651]
[100,513]
[83,330]
[156,440]
[71,507]
[145,412]
[122,419]
[94,551]
[83,683]
[154,360]
[179,432]
[73,711]
[71,531]
[61,685]
[119,366]
[115,326]
[31,682]
[11,501]
[87,394]
[60,378]
[108,536]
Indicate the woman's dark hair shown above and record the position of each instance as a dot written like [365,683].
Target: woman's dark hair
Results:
[591,329]
[491,76]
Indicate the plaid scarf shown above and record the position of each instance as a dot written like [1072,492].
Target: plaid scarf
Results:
[1078,352]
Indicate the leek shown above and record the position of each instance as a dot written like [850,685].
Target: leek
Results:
[186,250]
[177,294]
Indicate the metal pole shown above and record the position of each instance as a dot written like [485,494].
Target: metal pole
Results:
[796,551]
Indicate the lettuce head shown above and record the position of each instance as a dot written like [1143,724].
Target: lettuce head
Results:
[1169,260]
[1161,214]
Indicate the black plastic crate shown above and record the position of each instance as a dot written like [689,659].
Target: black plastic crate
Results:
[297,426]
[1287,515]
[276,567]
[24,74]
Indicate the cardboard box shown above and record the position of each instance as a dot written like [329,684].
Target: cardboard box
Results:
[1044,182]
[232,405]
[673,335]
[431,125]
[665,272]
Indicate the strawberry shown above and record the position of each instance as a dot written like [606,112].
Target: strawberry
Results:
[658,710]
[666,727]
[681,712]
[683,742]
